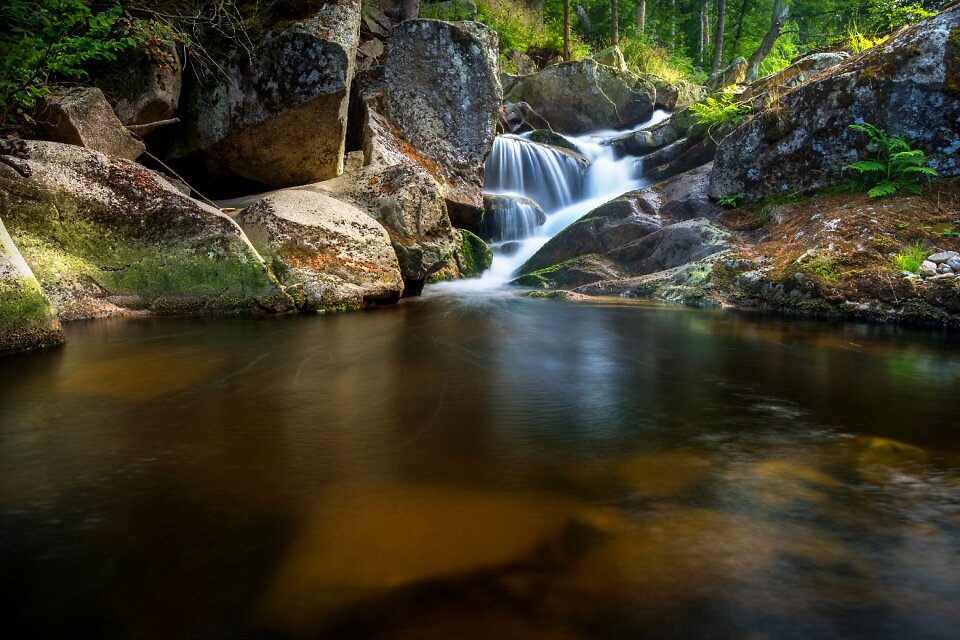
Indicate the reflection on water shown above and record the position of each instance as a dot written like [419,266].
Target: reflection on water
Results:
[491,467]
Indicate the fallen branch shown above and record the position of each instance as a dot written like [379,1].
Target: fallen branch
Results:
[22,169]
[137,128]
[180,178]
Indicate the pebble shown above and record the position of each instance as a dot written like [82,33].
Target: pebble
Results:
[944,268]
[927,269]
[954,264]
[943,256]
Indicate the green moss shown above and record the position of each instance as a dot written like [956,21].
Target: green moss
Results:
[166,270]
[545,294]
[26,320]
[531,280]
[473,255]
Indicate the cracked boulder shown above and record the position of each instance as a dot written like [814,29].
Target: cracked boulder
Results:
[442,93]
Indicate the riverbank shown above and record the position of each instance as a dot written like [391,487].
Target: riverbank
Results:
[833,255]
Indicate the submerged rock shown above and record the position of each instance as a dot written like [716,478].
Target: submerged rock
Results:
[278,115]
[105,236]
[340,256]
[442,92]
[27,320]
[365,541]
[82,116]
[584,95]
[909,86]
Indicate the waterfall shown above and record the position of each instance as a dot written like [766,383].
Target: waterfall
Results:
[551,178]
[510,217]
[521,169]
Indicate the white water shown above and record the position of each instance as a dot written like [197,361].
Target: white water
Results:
[556,183]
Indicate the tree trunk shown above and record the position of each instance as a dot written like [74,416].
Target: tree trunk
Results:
[718,37]
[642,15]
[614,23]
[673,23]
[411,9]
[777,19]
[736,38]
[566,29]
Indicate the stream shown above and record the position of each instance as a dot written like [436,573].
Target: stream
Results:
[476,464]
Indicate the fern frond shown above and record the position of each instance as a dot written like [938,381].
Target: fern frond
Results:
[883,189]
[868,166]
[926,171]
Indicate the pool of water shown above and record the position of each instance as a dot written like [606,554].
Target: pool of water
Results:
[483,466]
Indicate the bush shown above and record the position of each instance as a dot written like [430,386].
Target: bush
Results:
[52,40]
[646,56]
[894,167]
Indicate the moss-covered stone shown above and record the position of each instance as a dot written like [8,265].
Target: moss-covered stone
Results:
[27,320]
[104,235]
[473,256]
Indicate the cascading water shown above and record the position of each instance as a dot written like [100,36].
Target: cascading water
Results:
[557,182]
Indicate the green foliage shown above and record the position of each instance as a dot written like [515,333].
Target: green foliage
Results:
[949,232]
[894,167]
[645,55]
[720,111]
[53,40]
[911,258]
[732,200]
[857,41]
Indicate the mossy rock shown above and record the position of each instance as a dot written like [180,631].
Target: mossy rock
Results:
[545,136]
[105,235]
[473,256]
[27,320]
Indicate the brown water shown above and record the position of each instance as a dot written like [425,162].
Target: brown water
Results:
[483,467]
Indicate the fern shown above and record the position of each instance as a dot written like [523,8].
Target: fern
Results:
[717,112]
[895,167]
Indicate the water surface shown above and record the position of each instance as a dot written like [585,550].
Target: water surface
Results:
[482,466]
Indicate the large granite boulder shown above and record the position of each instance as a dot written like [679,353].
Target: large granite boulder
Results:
[337,254]
[106,236]
[609,226]
[278,114]
[27,320]
[409,202]
[909,86]
[671,246]
[82,116]
[583,95]
[641,232]
[139,90]
[442,93]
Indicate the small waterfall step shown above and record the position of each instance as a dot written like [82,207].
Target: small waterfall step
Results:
[550,176]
